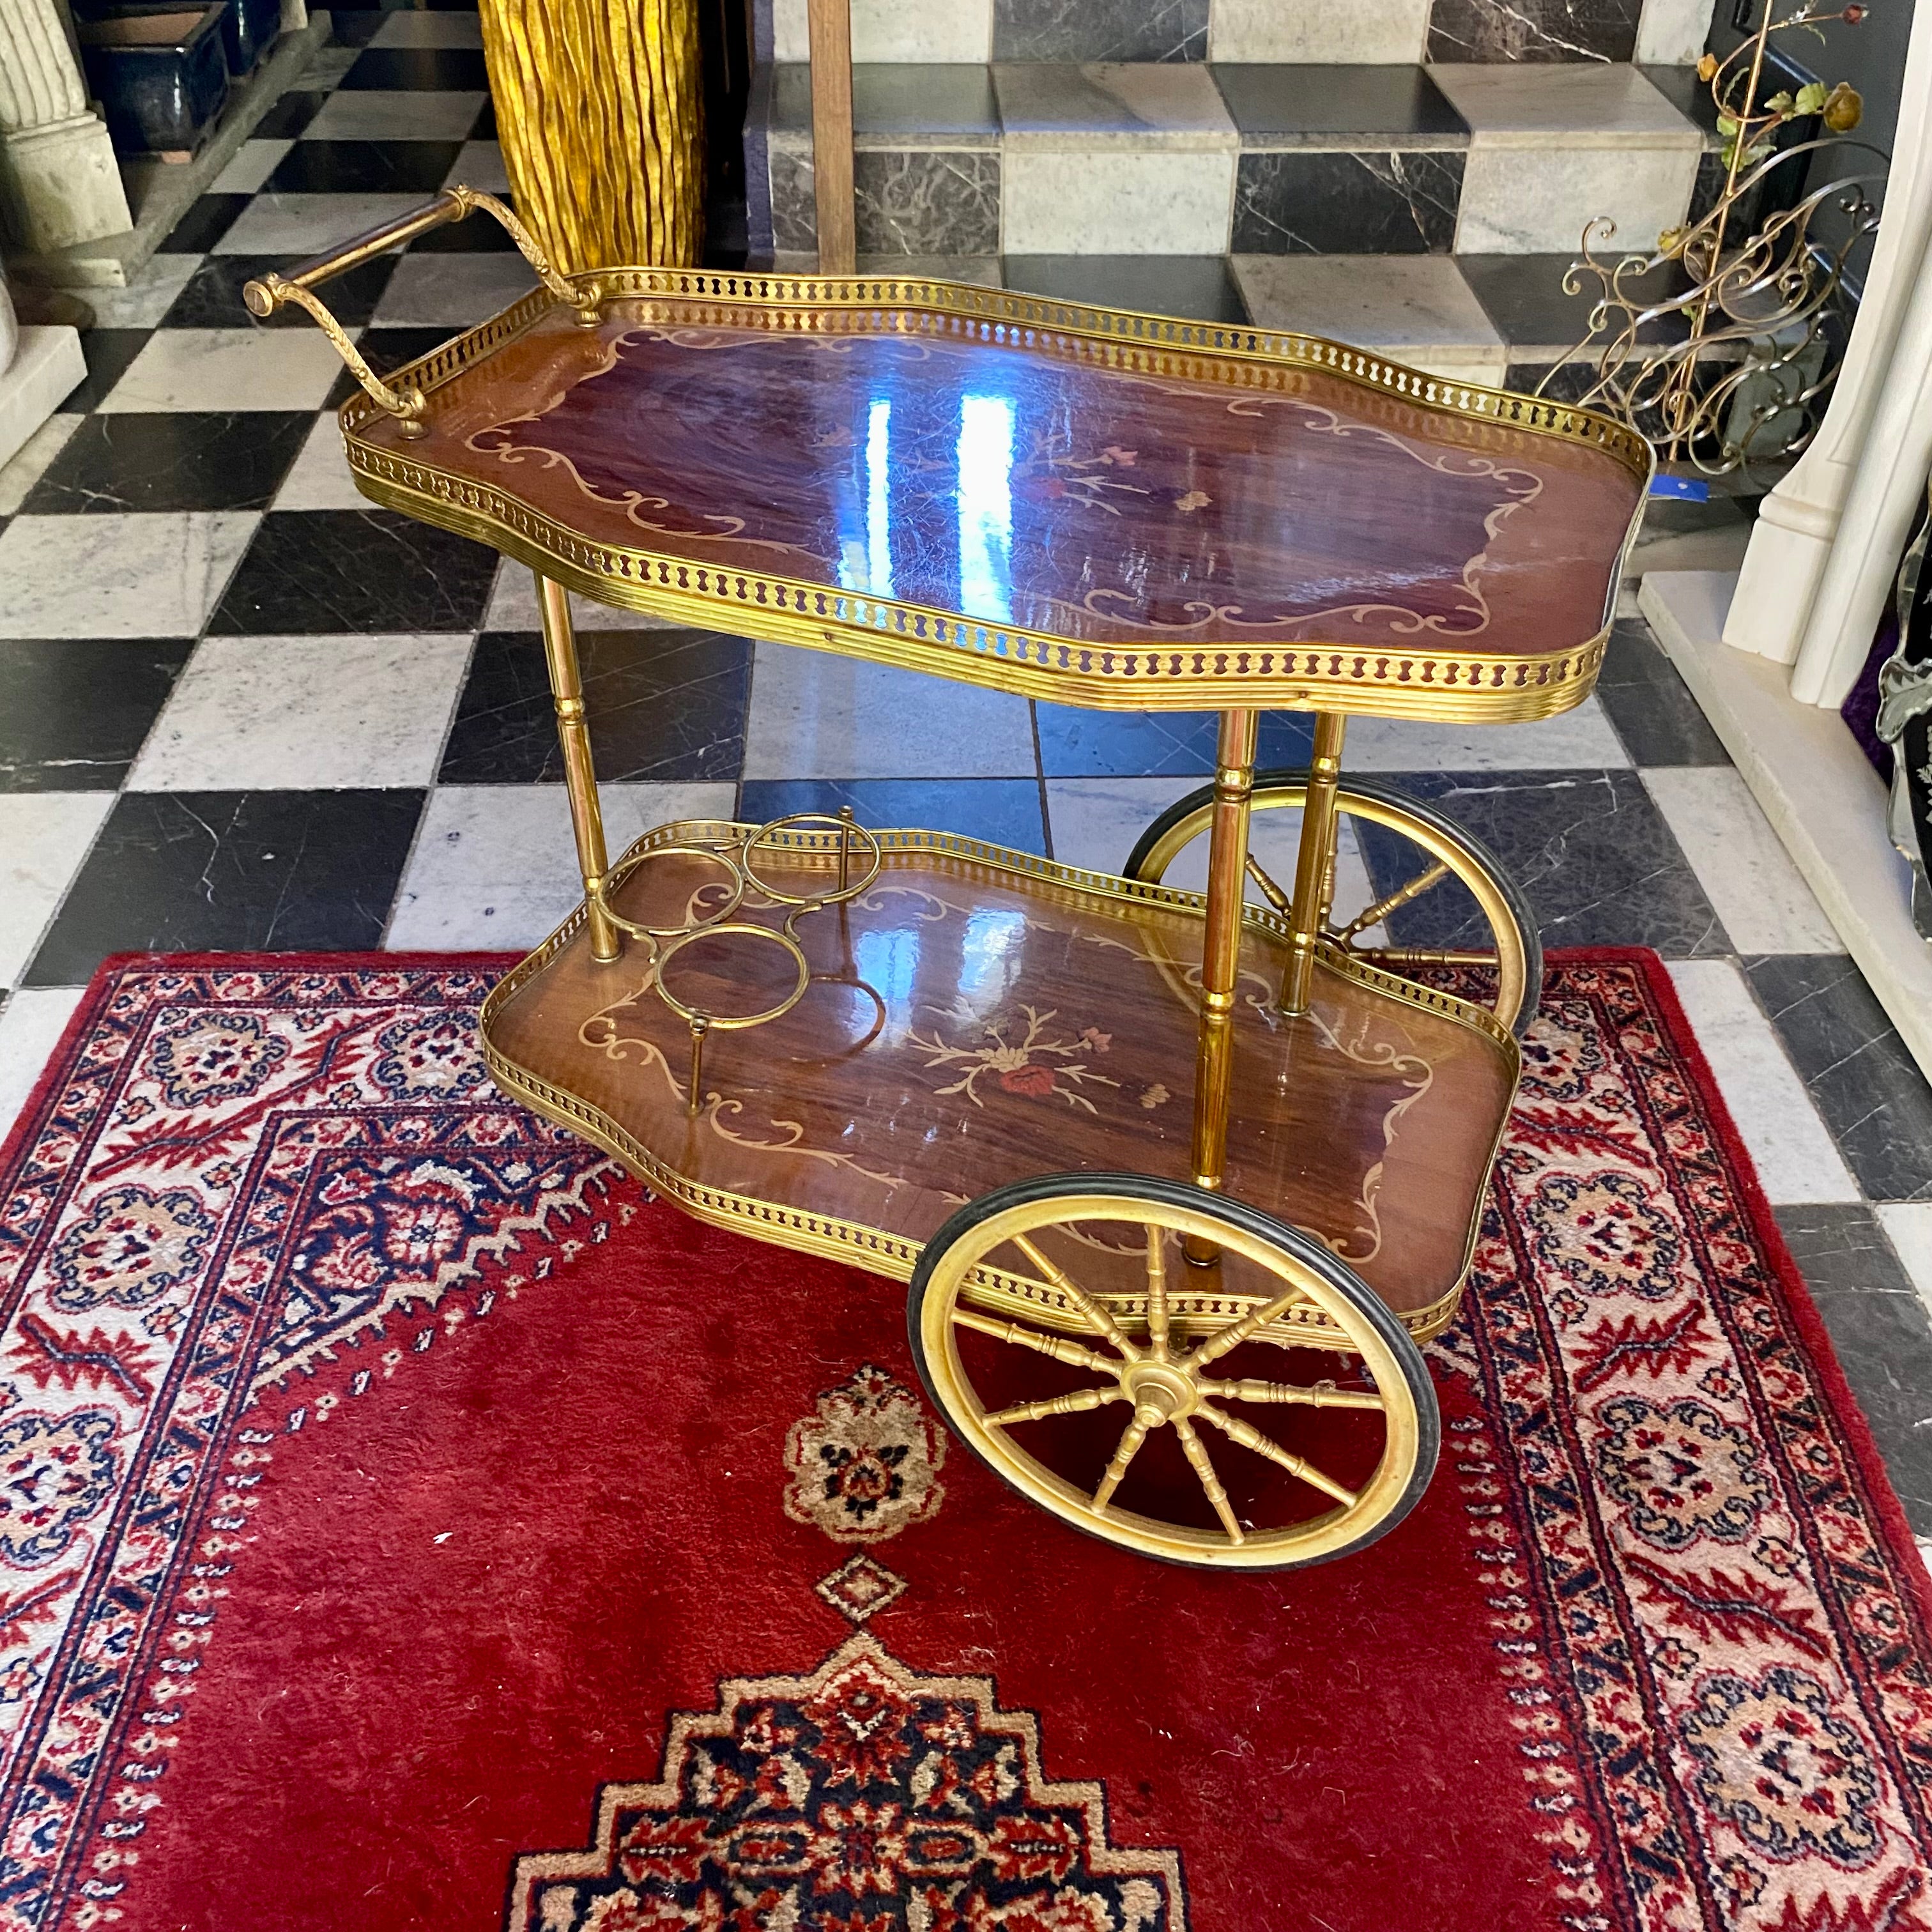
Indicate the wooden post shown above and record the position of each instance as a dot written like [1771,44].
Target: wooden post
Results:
[831,29]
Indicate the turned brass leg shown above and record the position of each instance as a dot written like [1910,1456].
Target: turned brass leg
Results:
[1227,874]
[579,775]
[1315,863]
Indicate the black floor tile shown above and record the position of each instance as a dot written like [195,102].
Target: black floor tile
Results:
[365,167]
[285,121]
[1198,286]
[1868,1087]
[212,299]
[1347,202]
[1336,106]
[1004,811]
[476,235]
[354,570]
[181,460]
[275,870]
[432,69]
[386,350]
[1591,852]
[1523,296]
[1074,743]
[108,352]
[661,704]
[356,26]
[485,129]
[1099,30]
[1880,1333]
[74,710]
[205,223]
[1651,705]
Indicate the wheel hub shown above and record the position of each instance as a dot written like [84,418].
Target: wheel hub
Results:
[1159,1391]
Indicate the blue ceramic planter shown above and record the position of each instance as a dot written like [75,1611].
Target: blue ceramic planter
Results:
[248,27]
[161,78]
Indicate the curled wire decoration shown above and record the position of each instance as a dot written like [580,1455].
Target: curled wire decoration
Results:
[1757,326]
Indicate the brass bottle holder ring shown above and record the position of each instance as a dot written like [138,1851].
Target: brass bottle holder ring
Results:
[848,829]
[702,1021]
[655,937]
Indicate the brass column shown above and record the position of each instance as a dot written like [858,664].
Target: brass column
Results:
[1227,877]
[1314,861]
[579,774]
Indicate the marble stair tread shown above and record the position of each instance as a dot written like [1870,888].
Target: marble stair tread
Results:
[1122,104]
[1596,105]
[914,105]
[1197,286]
[1390,107]
[1416,309]
[1523,296]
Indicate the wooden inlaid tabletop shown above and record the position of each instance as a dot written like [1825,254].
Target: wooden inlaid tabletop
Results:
[1139,522]
[966,1026]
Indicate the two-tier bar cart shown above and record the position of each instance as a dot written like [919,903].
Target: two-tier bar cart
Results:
[1180,1180]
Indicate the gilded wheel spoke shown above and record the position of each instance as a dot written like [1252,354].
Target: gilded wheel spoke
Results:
[1423,881]
[1077,1403]
[1322,1395]
[1156,1304]
[1056,1346]
[1428,956]
[1249,1437]
[1272,892]
[1057,1277]
[1132,1437]
[1195,1451]
[1237,1331]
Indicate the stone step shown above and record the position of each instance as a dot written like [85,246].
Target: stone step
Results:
[1503,321]
[1207,158]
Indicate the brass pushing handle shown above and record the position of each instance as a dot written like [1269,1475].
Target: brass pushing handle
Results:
[272,291]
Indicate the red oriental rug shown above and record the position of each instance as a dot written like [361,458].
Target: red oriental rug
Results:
[407,1523]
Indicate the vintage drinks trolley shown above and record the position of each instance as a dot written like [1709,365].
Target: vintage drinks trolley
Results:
[1180,1180]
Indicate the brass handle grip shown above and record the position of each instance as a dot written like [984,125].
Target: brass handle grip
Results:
[264,296]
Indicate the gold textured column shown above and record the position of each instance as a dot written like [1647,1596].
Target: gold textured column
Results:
[1315,865]
[580,774]
[601,116]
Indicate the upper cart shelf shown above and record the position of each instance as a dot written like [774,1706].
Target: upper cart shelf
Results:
[1102,508]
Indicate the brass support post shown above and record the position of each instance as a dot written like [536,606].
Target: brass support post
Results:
[579,774]
[1315,862]
[828,26]
[1220,956]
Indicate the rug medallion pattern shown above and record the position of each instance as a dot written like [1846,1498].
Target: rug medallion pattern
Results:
[294,1177]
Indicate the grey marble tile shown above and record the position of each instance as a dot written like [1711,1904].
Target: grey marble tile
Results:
[1865,1082]
[907,202]
[1604,106]
[1352,203]
[1116,201]
[1880,1333]
[1515,202]
[1525,298]
[1197,286]
[1100,30]
[1590,850]
[1307,105]
[1124,104]
[1650,704]
[1533,30]
[924,104]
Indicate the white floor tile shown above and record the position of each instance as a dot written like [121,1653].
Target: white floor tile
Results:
[43,837]
[430,30]
[394,114]
[149,297]
[304,714]
[513,607]
[228,369]
[31,1025]
[248,172]
[1760,895]
[480,165]
[1096,822]
[1580,739]
[1790,1146]
[453,291]
[158,575]
[813,716]
[1908,1223]
[295,225]
[319,478]
[28,464]
[494,865]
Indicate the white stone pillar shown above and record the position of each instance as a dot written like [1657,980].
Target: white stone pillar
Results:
[59,183]
[1799,522]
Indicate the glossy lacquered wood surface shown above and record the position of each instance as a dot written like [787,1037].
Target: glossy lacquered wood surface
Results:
[966,1027]
[1029,480]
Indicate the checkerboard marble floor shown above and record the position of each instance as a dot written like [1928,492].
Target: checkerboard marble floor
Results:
[240,708]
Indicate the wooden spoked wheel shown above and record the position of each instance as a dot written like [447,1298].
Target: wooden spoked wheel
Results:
[1444,851]
[1147,1412]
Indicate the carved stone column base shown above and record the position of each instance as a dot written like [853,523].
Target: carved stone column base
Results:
[60,185]
[46,368]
